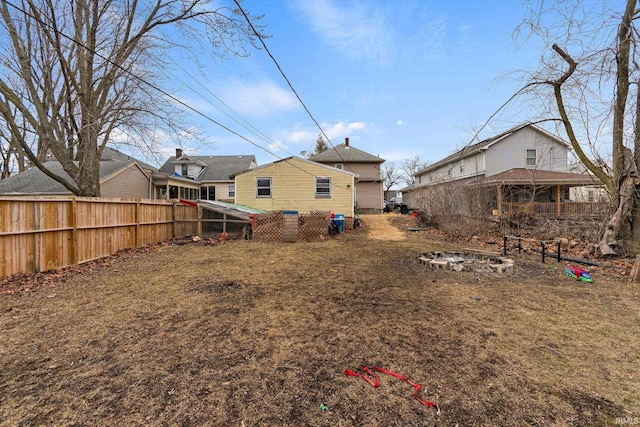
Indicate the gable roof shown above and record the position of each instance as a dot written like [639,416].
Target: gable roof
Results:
[110,153]
[486,143]
[34,181]
[288,160]
[217,168]
[343,153]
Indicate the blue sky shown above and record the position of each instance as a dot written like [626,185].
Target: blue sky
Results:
[398,78]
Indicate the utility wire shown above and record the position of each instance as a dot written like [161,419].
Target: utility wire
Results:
[157,88]
[264,45]
[153,86]
[235,116]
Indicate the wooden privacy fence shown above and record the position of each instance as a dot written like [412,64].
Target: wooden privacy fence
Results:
[39,234]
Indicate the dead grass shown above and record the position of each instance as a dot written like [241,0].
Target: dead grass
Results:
[258,334]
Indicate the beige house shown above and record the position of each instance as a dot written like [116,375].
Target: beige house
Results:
[369,195]
[295,184]
[192,177]
[118,178]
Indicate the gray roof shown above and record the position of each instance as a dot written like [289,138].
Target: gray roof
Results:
[110,153]
[34,181]
[345,154]
[485,143]
[289,159]
[218,168]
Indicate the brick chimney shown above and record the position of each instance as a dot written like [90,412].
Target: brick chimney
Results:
[346,142]
[178,153]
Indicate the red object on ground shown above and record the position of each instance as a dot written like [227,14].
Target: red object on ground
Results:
[372,379]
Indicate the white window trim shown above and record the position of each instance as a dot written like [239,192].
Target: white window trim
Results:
[535,158]
[323,195]
[263,196]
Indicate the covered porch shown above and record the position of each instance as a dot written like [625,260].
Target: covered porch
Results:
[544,193]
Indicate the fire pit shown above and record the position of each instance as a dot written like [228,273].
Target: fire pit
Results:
[467,261]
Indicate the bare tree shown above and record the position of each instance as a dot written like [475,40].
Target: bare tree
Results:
[591,67]
[75,72]
[409,167]
[390,175]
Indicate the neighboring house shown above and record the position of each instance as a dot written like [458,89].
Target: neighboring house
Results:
[525,164]
[295,184]
[369,186]
[118,178]
[588,193]
[200,177]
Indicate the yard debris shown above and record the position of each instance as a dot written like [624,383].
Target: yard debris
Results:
[578,274]
[372,379]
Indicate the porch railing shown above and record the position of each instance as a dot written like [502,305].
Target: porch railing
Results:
[550,208]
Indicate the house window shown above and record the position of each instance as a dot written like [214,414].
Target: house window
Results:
[323,187]
[532,157]
[185,170]
[339,166]
[461,165]
[173,192]
[232,190]
[591,196]
[208,193]
[263,187]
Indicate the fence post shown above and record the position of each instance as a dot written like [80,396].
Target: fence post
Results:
[138,238]
[519,244]
[173,219]
[542,243]
[74,231]
[504,245]
[559,243]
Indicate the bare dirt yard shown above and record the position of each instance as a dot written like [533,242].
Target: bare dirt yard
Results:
[260,334]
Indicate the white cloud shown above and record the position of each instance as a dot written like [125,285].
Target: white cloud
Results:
[336,132]
[353,29]
[342,129]
[302,136]
[399,122]
[257,99]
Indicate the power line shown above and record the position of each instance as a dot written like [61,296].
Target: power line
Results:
[238,119]
[158,89]
[264,45]
[153,86]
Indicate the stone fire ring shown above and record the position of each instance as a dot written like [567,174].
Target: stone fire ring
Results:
[466,261]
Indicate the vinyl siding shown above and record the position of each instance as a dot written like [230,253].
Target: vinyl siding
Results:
[369,196]
[365,171]
[293,187]
[473,165]
[511,152]
[222,189]
[128,183]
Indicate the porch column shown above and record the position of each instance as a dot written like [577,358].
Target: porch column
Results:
[558,200]
[499,199]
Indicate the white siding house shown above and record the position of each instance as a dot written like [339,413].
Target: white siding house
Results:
[523,164]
